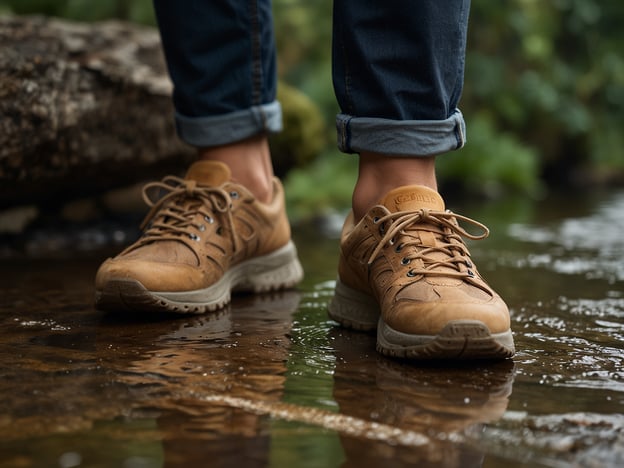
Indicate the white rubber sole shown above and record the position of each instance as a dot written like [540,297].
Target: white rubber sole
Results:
[278,270]
[459,339]
[353,309]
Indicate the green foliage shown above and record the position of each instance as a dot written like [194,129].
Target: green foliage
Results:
[303,34]
[491,164]
[139,11]
[544,92]
[543,96]
[26,7]
[552,74]
[322,187]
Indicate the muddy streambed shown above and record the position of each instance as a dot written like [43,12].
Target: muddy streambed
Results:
[271,381]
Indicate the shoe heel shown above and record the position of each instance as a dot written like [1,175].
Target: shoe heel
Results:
[278,270]
[353,309]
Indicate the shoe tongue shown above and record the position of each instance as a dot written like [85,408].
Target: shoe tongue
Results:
[411,198]
[211,173]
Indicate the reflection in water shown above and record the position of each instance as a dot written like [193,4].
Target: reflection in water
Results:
[176,392]
[573,316]
[96,377]
[241,353]
[271,381]
[445,403]
[592,245]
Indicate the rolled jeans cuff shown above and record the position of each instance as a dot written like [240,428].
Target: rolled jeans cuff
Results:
[409,138]
[229,128]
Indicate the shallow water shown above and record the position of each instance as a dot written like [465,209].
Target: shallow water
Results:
[271,381]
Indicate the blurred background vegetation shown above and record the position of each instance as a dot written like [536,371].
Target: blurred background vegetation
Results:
[543,99]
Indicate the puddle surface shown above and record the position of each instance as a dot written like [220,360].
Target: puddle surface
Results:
[271,381]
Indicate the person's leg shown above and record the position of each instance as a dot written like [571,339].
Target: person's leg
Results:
[222,61]
[398,76]
[224,226]
[249,161]
[379,173]
[404,269]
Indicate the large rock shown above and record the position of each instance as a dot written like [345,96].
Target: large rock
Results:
[86,108]
[82,108]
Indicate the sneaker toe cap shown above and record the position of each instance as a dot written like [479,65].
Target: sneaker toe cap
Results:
[431,318]
[154,276]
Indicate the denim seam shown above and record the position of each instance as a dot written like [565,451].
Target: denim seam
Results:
[459,78]
[347,134]
[459,133]
[346,104]
[256,60]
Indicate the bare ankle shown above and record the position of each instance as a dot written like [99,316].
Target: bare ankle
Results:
[250,163]
[378,174]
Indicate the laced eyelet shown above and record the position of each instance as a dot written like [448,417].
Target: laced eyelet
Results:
[194,237]
[471,273]
[201,228]
[406,261]
[398,248]
[376,219]
[468,263]
[410,273]
[392,241]
[208,219]
[220,231]
[234,195]
[382,229]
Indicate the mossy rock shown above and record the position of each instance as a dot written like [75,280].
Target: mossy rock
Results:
[305,132]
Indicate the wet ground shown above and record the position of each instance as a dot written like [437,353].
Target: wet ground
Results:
[270,381]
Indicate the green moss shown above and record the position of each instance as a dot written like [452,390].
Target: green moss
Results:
[305,133]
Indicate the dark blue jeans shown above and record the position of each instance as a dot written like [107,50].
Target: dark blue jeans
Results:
[398,68]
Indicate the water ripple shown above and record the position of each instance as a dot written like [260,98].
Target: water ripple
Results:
[591,245]
[583,439]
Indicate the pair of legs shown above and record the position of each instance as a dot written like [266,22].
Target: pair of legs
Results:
[397,72]
[404,269]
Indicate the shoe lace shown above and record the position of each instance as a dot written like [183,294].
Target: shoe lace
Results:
[447,231]
[174,211]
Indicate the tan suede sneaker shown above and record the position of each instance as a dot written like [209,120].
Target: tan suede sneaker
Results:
[203,238]
[405,270]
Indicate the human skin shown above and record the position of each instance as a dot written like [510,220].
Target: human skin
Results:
[251,166]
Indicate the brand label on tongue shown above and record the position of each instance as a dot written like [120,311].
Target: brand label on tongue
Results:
[418,198]
[406,199]
[209,173]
